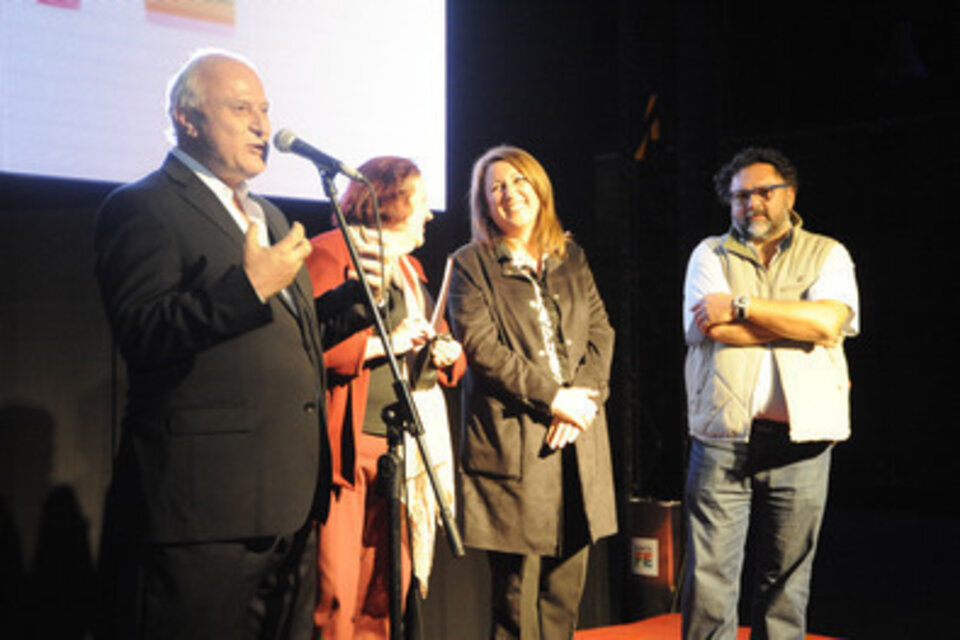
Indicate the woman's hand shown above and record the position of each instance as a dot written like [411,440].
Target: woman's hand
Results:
[446,351]
[561,433]
[576,405]
[409,334]
[375,273]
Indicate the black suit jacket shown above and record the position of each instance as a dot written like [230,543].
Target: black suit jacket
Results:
[224,433]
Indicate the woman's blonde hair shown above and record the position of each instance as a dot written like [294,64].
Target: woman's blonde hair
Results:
[548,234]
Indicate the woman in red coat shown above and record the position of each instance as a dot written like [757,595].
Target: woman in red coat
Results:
[353,553]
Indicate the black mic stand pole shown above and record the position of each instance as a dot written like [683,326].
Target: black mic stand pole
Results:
[399,416]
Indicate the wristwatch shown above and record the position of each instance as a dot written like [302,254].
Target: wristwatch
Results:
[740,304]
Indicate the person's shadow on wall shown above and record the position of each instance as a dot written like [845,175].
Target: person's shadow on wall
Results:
[12,575]
[53,595]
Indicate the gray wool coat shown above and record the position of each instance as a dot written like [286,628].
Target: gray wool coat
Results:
[511,485]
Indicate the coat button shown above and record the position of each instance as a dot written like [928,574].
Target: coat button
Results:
[310,407]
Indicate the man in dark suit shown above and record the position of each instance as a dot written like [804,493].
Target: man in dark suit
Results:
[221,468]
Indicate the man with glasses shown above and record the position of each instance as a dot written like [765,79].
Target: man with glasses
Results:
[766,309]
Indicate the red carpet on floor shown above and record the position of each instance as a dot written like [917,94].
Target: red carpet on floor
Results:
[665,627]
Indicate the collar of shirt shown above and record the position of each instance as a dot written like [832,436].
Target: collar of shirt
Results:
[520,260]
[795,223]
[227,197]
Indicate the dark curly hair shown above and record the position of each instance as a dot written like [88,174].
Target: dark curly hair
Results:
[745,158]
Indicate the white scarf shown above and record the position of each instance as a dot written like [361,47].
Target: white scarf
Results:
[422,508]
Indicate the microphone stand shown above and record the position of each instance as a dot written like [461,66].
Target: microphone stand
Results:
[400,417]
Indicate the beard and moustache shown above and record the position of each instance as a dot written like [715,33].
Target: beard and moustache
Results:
[757,226]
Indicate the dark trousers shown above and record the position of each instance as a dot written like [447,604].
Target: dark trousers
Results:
[534,596]
[538,597]
[254,589]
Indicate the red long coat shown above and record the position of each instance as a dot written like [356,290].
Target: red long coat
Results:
[328,264]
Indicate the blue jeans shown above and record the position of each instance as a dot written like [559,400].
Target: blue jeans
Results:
[780,489]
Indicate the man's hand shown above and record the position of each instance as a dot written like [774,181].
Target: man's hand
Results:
[271,269]
[816,321]
[713,309]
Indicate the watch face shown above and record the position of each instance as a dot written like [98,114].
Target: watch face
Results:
[740,306]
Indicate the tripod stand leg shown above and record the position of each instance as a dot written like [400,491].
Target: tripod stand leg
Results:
[390,472]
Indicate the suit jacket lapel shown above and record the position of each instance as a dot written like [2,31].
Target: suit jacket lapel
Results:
[207,204]
[201,198]
[277,228]
[301,289]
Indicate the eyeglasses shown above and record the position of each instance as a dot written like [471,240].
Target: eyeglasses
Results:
[765,192]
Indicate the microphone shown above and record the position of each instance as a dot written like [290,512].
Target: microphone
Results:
[287,141]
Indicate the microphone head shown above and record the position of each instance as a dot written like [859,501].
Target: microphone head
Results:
[284,139]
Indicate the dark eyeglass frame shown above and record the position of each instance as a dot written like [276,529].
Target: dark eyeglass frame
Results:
[742,196]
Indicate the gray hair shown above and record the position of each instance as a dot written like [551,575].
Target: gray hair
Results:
[185,91]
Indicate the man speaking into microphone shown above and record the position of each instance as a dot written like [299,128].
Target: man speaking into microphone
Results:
[222,466]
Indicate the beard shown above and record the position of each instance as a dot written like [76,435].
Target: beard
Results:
[760,226]
[755,227]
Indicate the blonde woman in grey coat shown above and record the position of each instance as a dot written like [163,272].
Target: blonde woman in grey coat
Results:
[535,456]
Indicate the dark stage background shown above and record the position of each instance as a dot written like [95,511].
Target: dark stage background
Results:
[862,97]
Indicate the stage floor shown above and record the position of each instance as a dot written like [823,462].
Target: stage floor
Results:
[665,627]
